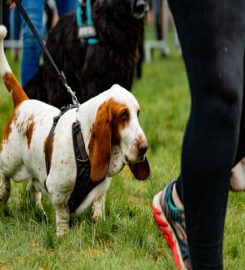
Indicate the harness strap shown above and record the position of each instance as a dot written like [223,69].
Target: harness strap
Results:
[83,184]
[79,142]
[63,110]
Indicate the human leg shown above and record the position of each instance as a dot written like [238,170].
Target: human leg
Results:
[157,18]
[212,132]
[238,171]
[241,145]
[213,52]
[31,49]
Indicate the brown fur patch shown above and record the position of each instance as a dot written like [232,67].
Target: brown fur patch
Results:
[14,88]
[21,126]
[100,144]
[29,129]
[111,118]
[12,119]
[49,151]
[119,121]
[134,56]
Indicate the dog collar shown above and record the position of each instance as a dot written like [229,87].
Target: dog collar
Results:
[86,29]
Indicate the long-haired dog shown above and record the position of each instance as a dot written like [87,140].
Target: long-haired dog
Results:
[112,138]
[91,69]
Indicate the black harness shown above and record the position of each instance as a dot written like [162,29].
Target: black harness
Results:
[83,184]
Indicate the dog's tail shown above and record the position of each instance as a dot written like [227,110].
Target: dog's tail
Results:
[9,79]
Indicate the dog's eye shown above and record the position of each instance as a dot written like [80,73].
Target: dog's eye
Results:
[124,116]
[138,113]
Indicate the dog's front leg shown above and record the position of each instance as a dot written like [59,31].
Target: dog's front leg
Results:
[4,188]
[98,208]
[62,220]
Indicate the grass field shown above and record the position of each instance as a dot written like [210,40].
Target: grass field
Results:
[128,238]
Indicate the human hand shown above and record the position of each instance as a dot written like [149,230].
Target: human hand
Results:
[11,4]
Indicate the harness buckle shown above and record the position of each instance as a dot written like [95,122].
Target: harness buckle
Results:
[82,160]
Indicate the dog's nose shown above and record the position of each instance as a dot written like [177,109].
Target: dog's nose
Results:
[140,6]
[142,147]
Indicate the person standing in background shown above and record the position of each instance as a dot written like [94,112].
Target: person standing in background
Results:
[31,51]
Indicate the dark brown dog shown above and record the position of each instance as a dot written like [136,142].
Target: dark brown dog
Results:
[91,69]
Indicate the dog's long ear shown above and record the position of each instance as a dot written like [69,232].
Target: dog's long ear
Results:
[100,144]
[140,170]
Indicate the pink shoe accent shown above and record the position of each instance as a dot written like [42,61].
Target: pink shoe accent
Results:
[169,237]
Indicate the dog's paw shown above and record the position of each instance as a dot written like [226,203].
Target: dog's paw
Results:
[62,229]
[4,191]
[97,216]
[237,181]
[61,232]
[98,209]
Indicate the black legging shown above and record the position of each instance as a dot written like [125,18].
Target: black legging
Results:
[212,36]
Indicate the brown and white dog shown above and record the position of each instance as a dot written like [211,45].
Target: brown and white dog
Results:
[112,135]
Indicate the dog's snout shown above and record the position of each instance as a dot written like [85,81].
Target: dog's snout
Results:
[140,7]
[142,147]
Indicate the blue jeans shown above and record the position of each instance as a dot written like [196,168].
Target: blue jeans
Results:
[31,49]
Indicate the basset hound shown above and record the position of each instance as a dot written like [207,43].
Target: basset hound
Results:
[112,136]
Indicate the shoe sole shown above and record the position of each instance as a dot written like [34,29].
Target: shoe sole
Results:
[167,232]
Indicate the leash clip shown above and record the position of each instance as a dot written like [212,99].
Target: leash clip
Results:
[69,90]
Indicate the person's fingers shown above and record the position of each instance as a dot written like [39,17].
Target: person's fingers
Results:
[12,6]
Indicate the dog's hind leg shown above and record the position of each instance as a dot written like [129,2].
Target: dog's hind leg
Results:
[35,195]
[98,208]
[62,220]
[4,188]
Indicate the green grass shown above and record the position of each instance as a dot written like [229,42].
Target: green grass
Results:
[128,238]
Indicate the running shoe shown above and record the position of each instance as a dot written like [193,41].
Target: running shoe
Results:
[171,222]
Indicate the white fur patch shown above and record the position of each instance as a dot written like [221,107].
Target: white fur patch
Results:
[3,31]
[4,66]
